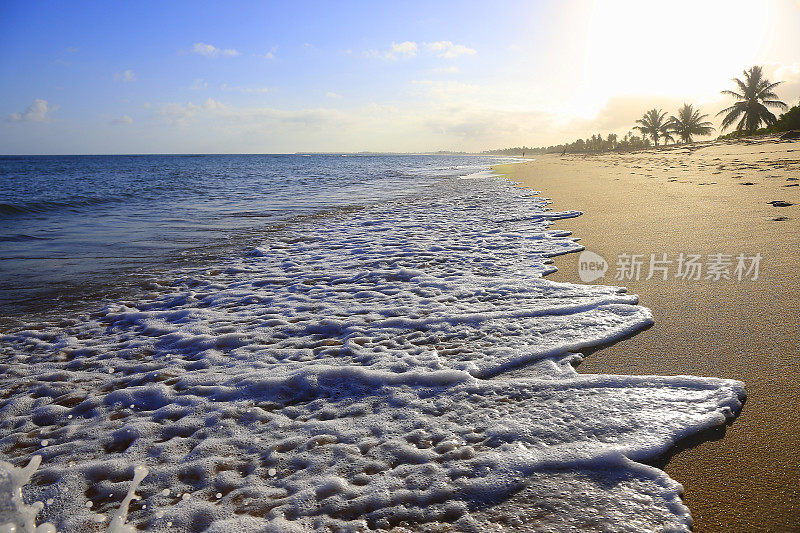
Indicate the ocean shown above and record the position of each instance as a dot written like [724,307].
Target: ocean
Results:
[318,343]
[78,228]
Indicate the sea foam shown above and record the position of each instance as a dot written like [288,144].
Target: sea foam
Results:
[350,374]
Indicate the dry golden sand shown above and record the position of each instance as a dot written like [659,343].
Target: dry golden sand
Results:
[694,200]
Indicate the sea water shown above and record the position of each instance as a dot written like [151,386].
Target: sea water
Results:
[339,361]
[71,225]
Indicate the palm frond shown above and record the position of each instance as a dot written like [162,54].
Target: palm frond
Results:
[775,103]
[729,109]
[740,83]
[769,86]
[735,95]
[730,118]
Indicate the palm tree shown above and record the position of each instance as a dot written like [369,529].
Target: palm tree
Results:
[756,94]
[666,132]
[690,122]
[652,123]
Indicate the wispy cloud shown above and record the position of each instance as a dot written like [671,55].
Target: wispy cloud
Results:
[270,54]
[124,119]
[406,48]
[453,117]
[211,108]
[179,114]
[209,50]
[397,50]
[450,50]
[443,49]
[452,69]
[333,95]
[38,111]
[126,76]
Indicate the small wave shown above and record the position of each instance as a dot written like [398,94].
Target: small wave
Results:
[479,175]
[20,238]
[250,214]
[43,206]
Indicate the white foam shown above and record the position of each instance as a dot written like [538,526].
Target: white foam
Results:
[15,515]
[481,174]
[336,377]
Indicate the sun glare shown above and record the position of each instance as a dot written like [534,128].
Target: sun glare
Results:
[681,48]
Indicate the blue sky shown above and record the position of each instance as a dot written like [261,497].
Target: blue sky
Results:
[144,77]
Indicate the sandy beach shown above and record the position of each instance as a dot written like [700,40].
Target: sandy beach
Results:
[707,198]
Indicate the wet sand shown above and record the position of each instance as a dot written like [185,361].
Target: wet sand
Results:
[704,199]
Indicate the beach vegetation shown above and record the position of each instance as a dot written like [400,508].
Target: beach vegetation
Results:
[756,95]
[654,124]
[786,122]
[667,133]
[594,144]
[789,120]
[689,122]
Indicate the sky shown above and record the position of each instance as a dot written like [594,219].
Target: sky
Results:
[282,77]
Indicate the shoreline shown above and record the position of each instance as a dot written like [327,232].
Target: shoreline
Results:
[366,332]
[703,199]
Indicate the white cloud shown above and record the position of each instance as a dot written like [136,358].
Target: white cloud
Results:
[124,119]
[449,50]
[271,53]
[404,49]
[408,48]
[126,76]
[443,49]
[333,95]
[180,114]
[38,111]
[209,50]
[372,126]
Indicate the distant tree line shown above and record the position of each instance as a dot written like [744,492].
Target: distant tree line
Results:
[754,98]
[595,143]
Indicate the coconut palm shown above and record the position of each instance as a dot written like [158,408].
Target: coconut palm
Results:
[690,122]
[755,95]
[666,132]
[653,124]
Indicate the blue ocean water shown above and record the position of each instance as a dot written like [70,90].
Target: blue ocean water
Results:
[73,223]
